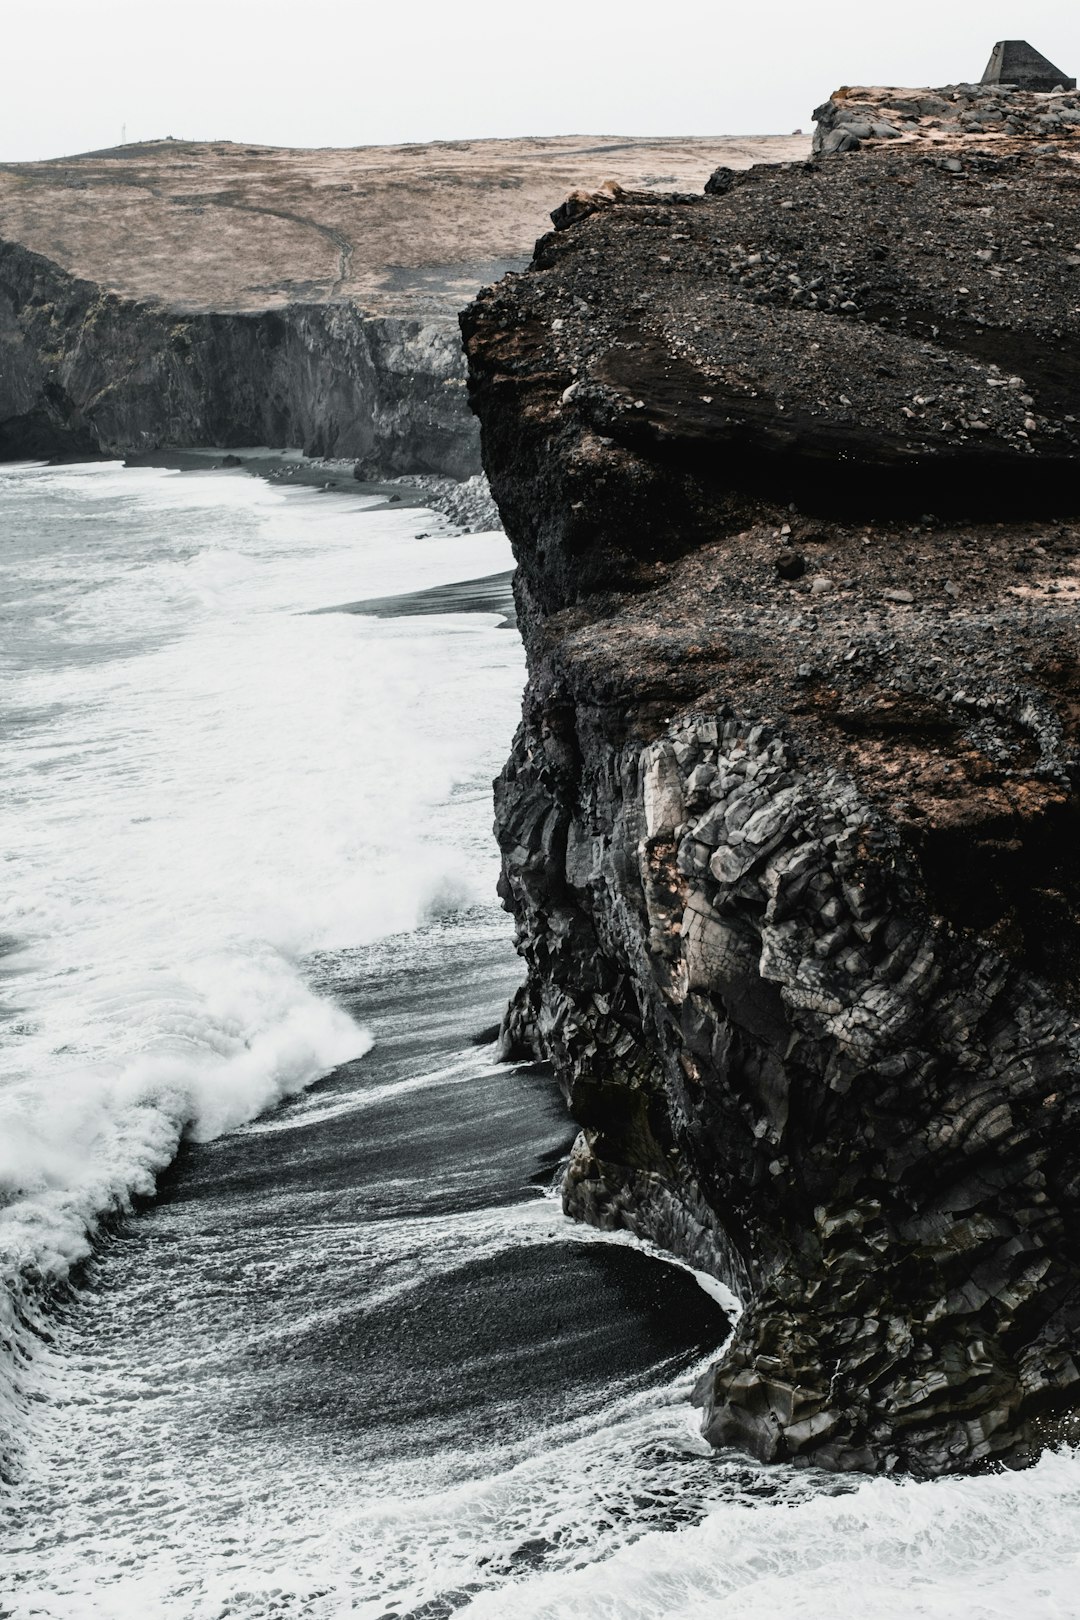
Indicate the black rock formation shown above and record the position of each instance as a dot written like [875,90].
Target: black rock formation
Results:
[1014,61]
[792,852]
[87,372]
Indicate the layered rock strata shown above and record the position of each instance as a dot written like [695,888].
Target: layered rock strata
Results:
[789,828]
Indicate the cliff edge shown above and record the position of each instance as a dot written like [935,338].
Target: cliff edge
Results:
[790,826]
[177,293]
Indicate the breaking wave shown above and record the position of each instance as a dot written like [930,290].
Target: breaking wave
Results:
[204,784]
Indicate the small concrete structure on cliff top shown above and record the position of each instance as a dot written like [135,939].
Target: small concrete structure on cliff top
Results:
[1014,61]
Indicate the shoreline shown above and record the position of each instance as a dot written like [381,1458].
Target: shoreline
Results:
[466,504]
[290,468]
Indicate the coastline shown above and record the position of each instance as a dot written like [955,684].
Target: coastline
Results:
[465,503]
[214,612]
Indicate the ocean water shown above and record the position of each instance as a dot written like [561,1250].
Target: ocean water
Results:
[291,1323]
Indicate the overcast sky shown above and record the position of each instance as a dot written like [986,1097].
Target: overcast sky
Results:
[349,72]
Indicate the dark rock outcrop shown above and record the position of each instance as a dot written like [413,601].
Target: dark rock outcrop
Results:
[793,851]
[88,372]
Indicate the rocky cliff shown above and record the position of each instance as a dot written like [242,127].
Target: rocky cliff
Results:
[790,826]
[182,293]
[89,372]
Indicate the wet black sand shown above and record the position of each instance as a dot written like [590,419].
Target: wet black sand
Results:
[423,1340]
[491,594]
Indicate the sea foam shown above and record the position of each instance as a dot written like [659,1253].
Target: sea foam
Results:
[205,782]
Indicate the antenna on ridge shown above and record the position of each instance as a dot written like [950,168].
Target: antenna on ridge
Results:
[123,134]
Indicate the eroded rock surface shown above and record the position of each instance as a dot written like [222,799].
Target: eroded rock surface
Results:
[1001,117]
[790,826]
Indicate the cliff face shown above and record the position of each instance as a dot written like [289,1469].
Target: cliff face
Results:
[181,293]
[790,825]
[85,372]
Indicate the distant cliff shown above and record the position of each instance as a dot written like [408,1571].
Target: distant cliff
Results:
[790,826]
[85,372]
[177,294]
